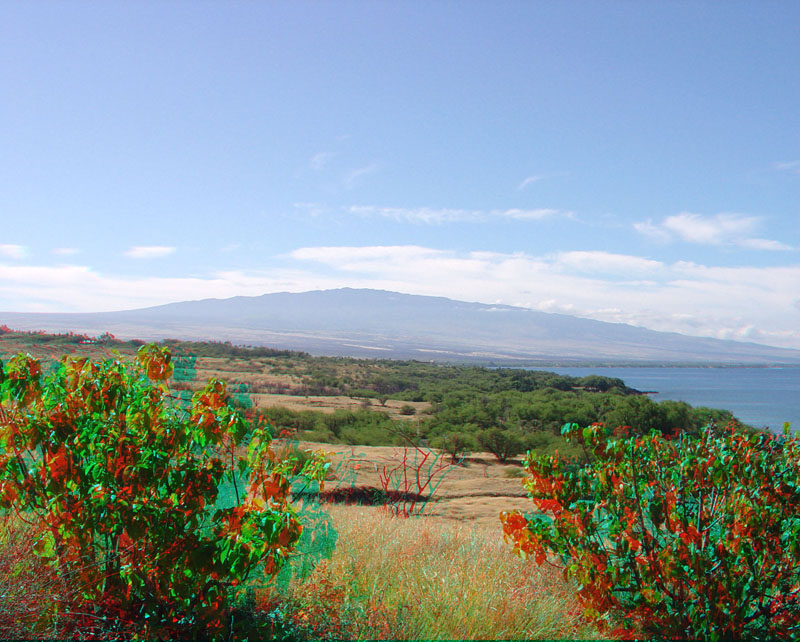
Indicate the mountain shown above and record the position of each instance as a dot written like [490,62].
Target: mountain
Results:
[376,323]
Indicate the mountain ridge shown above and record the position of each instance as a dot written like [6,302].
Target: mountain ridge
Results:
[382,323]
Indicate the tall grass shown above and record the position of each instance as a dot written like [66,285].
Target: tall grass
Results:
[29,592]
[36,601]
[431,579]
[417,578]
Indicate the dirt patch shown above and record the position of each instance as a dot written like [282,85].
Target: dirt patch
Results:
[330,404]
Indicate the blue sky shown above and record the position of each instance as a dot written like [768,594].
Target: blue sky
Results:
[629,162]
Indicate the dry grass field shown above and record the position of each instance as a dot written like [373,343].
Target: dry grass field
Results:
[430,579]
[474,490]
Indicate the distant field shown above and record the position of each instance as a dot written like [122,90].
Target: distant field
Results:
[475,490]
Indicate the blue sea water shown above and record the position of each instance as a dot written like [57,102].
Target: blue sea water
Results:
[761,397]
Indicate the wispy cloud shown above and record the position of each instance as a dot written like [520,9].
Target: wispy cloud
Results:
[764,244]
[531,179]
[712,230]
[598,262]
[720,229]
[320,160]
[354,176]
[535,178]
[529,215]
[13,251]
[415,214]
[148,251]
[313,209]
[66,251]
[653,231]
[792,167]
[431,215]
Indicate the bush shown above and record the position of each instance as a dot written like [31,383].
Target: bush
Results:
[456,444]
[512,472]
[694,537]
[128,485]
[503,444]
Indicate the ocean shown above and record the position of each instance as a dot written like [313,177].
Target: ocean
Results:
[760,397]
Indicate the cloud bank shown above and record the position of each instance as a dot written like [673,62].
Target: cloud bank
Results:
[148,251]
[750,303]
[11,251]
[721,229]
[439,216]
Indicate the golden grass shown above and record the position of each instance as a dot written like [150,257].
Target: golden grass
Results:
[429,578]
[474,492]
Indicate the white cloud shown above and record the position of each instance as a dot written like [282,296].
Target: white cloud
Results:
[655,232]
[753,303]
[77,288]
[598,262]
[713,230]
[438,216]
[721,229]
[415,215]
[681,297]
[788,166]
[531,179]
[764,244]
[320,160]
[535,178]
[313,209]
[338,256]
[13,251]
[528,215]
[66,251]
[354,177]
[148,251]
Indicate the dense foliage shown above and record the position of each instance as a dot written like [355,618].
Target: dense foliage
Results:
[691,537]
[227,349]
[153,509]
[527,406]
[503,410]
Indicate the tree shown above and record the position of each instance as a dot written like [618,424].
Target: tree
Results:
[153,511]
[503,444]
[455,444]
[639,412]
[407,410]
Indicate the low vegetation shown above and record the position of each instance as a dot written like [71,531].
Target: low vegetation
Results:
[694,537]
[129,491]
[426,579]
[138,501]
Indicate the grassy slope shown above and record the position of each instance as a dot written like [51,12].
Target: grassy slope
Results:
[428,579]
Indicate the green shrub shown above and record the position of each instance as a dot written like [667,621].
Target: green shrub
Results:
[503,444]
[128,485]
[455,444]
[512,472]
[692,537]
